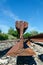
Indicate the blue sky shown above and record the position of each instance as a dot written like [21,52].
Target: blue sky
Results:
[30,11]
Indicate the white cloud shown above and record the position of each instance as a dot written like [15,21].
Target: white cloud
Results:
[4,28]
[10,14]
[32,28]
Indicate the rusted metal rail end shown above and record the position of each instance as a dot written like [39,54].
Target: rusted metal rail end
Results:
[18,49]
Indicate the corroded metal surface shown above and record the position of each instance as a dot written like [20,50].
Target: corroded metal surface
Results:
[40,36]
[23,48]
[37,40]
[21,52]
[18,49]
[21,26]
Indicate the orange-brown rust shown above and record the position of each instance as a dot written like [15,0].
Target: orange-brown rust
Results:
[37,40]
[18,49]
[38,36]
[22,52]
[21,26]
[15,48]
[28,43]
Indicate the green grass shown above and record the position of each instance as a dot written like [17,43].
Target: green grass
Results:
[10,37]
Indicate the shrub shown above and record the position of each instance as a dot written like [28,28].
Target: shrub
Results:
[26,35]
[3,36]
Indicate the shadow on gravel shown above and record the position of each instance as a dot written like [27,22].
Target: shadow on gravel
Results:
[41,57]
[2,53]
[28,60]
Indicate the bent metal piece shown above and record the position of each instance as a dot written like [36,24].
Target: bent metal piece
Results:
[37,38]
[21,52]
[18,49]
[21,27]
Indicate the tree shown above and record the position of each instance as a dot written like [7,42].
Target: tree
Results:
[26,35]
[0,31]
[3,36]
[13,32]
[33,32]
[29,34]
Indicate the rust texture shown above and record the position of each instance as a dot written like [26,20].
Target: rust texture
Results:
[21,27]
[19,49]
[37,40]
[38,36]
